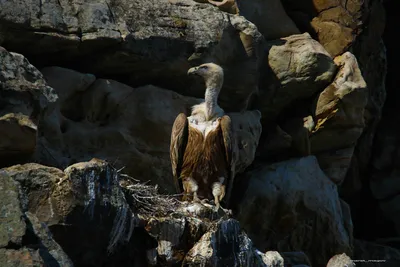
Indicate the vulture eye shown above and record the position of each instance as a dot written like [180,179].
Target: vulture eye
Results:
[204,67]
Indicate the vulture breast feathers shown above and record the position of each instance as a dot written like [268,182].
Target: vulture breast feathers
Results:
[202,157]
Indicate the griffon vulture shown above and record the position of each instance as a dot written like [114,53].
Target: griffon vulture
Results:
[203,148]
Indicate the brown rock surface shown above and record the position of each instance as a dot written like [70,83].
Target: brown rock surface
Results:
[296,68]
[336,24]
[339,116]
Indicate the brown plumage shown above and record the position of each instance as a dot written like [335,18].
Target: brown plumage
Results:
[202,146]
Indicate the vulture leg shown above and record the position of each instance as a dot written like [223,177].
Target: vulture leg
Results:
[195,197]
[218,191]
[185,196]
[190,187]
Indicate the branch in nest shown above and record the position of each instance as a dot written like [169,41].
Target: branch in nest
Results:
[146,199]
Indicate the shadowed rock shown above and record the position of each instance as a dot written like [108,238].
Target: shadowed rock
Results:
[286,205]
[85,201]
[24,241]
[339,118]
[24,96]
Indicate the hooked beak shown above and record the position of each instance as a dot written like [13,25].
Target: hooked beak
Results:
[192,71]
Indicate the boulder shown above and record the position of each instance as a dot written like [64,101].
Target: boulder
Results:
[85,200]
[140,42]
[273,258]
[296,68]
[340,260]
[354,26]
[225,244]
[43,194]
[12,226]
[20,258]
[24,241]
[248,129]
[24,96]
[289,205]
[339,118]
[337,26]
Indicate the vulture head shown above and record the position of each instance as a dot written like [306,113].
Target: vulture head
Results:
[212,74]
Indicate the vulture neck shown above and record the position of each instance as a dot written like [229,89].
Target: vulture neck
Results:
[211,97]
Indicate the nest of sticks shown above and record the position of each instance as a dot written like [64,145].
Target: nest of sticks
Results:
[146,200]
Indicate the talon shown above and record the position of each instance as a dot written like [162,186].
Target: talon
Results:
[204,201]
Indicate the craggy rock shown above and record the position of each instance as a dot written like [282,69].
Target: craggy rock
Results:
[150,45]
[361,161]
[340,260]
[20,258]
[51,252]
[44,196]
[190,233]
[225,244]
[266,15]
[141,42]
[296,67]
[356,26]
[335,24]
[248,129]
[177,232]
[12,226]
[273,258]
[95,185]
[373,59]
[378,61]
[24,241]
[286,205]
[74,203]
[339,116]
[24,95]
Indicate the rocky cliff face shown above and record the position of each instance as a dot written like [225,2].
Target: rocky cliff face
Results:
[89,91]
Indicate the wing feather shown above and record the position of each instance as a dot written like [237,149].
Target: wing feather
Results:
[230,152]
[179,137]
